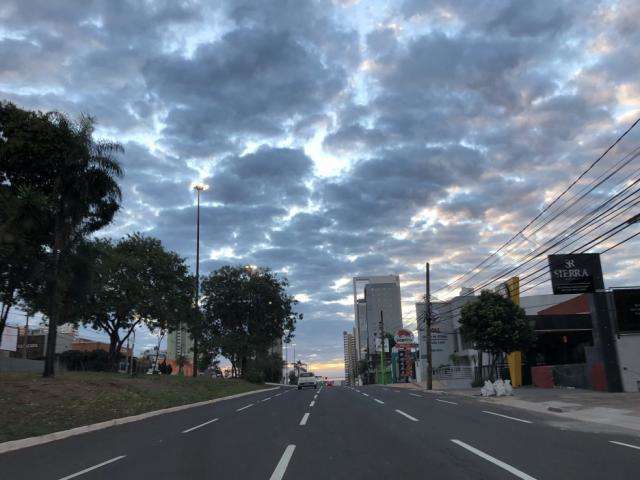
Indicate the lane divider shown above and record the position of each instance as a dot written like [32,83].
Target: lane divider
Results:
[201,425]
[281,468]
[506,416]
[407,415]
[313,402]
[625,444]
[379,401]
[86,470]
[445,401]
[305,417]
[245,407]
[415,395]
[494,460]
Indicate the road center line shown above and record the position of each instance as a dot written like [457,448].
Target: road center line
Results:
[407,415]
[379,401]
[493,460]
[313,402]
[625,444]
[81,472]
[446,401]
[245,407]
[506,416]
[198,426]
[305,417]
[415,395]
[281,468]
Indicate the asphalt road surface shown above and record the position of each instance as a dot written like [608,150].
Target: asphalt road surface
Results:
[337,433]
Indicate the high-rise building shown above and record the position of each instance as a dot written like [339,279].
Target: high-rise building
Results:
[179,344]
[381,293]
[350,362]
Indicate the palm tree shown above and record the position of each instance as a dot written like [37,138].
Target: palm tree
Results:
[84,198]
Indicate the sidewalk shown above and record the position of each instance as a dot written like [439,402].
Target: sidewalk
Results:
[614,409]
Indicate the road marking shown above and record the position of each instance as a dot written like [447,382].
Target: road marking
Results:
[379,401]
[265,399]
[73,475]
[495,461]
[407,415]
[198,426]
[313,402]
[277,394]
[366,394]
[625,444]
[415,395]
[245,407]
[506,416]
[281,468]
[446,401]
[305,417]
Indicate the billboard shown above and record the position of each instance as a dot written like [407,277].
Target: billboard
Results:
[575,273]
[9,340]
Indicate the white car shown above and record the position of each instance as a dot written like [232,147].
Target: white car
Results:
[307,379]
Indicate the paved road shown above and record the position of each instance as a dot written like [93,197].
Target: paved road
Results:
[336,433]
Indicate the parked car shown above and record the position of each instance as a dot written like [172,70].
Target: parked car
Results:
[307,379]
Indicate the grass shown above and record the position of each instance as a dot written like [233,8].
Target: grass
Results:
[31,405]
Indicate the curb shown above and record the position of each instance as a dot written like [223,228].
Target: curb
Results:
[50,437]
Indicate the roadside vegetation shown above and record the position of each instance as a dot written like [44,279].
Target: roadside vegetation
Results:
[83,398]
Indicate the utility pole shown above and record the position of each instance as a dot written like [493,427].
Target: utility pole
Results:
[26,337]
[198,188]
[427,318]
[381,325]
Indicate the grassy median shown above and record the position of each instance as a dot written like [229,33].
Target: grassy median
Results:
[31,405]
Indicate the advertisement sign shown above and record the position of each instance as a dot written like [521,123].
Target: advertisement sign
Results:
[627,310]
[9,340]
[575,273]
[404,337]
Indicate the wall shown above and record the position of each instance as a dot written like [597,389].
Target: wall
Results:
[629,358]
[21,365]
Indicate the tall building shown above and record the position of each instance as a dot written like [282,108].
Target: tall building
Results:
[381,293]
[350,362]
[179,343]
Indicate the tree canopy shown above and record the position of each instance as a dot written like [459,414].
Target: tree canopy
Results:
[495,324]
[245,310]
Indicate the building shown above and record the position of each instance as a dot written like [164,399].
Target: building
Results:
[180,347]
[386,297]
[86,345]
[36,342]
[350,361]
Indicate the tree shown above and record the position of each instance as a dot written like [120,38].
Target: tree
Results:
[496,325]
[245,310]
[59,158]
[137,282]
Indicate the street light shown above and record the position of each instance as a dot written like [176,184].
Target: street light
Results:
[198,187]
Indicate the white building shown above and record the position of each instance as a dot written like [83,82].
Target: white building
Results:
[179,344]
[350,362]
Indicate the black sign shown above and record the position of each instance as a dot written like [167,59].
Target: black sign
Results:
[576,273]
[627,310]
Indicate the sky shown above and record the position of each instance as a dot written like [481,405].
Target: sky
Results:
[338,138]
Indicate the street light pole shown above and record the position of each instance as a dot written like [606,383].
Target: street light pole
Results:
[427,315]
[198,188]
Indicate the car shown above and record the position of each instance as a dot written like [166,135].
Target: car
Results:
[307,379]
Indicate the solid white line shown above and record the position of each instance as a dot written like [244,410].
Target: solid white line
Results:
[379,401]
[415,395]
[625,444]
[305,417]
[495,461]
[446,401]
[506,416]
[407,415]
[245,407]
[73,475]
[312,403]
[198,426]
[278,473]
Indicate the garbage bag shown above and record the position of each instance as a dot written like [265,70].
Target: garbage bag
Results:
[508,388]
[499,388]
[487,390]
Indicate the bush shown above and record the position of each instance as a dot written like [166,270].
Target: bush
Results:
[79,360]
[255,376]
